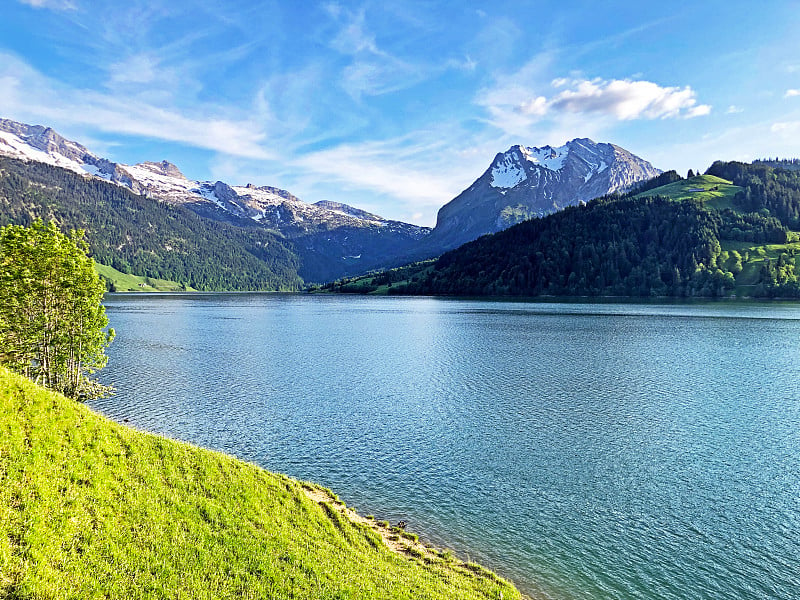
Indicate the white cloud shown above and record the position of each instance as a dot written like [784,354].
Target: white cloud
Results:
[786,127]
[467,64]
[51,4]
[514,105]
[353,38]
[791,93]
[385,167]
[734,110]
[626,100]
[137,69]
[373,77]
[372,71]
[27,94]
[536,106]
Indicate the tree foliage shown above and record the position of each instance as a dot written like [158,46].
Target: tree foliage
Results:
[773,190]
[52,322]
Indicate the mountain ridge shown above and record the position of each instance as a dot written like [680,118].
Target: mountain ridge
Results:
[333,238]
[734,231]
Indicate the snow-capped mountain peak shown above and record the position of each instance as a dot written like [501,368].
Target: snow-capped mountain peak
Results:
[164,167]
[529,181]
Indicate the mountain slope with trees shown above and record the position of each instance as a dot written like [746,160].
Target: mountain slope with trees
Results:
[138,235]
[730,231]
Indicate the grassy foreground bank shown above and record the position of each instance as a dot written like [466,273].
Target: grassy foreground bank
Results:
[93,509]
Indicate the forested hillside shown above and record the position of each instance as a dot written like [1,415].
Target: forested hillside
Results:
[609,247]
[146,237]
[731,231]
[764,188]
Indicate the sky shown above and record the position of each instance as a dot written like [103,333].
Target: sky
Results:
[396,106]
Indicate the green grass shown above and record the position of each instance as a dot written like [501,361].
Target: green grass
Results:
[92,509]
[124,282]
[717,193]
[758,254]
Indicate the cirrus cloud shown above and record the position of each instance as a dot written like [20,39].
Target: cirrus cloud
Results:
[52,4]
[28,94]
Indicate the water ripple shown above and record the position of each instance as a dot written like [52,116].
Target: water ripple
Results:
[585,451]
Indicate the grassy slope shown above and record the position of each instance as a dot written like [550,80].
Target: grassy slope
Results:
[717,193]
[758,255]
[133,283]
[90,508]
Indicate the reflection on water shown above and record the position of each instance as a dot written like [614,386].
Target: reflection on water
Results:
[583,450]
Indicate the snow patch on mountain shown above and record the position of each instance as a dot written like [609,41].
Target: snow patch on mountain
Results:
[507,172]
[13,145]
[548,157]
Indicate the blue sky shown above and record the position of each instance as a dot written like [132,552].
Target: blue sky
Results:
[397,106]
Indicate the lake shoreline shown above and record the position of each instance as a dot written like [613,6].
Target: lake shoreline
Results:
[523,299]
[96,507]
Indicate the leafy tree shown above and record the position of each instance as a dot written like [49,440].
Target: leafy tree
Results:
[52,323]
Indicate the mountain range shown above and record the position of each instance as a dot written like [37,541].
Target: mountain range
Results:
[332,239]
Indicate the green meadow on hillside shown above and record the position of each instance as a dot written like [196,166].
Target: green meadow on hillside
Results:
[714,192]
[93,509]
[117,281]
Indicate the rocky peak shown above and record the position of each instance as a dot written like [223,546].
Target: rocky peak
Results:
[47,140]
[225,192]
[347,210]
[529,181]
[162,168]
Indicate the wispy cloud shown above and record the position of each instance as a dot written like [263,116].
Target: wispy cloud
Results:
[417,170]
[374,70]
[791,93]
[786,127]
[26,92]
[51,4]
[353,37]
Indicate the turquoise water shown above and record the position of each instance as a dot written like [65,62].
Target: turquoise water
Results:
[582,450]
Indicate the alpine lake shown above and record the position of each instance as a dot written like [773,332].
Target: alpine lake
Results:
[582,450]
